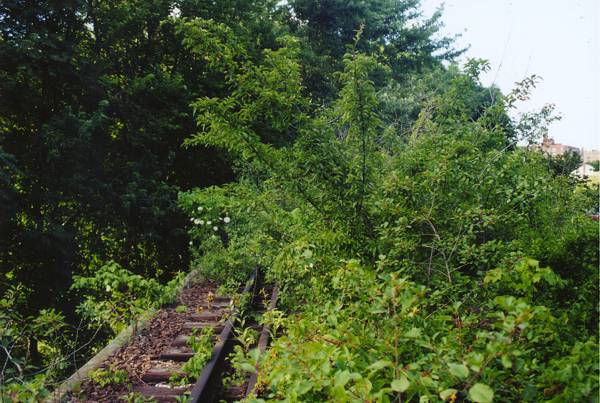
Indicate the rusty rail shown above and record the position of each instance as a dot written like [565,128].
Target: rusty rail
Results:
[263,341]
[207,386]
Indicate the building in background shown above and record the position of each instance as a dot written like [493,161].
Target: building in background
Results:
[590,155]
[586,170]
[551,148]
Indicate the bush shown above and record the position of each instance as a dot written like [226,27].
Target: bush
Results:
[450,267]
[116,297]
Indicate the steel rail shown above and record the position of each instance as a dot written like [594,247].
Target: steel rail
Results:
[263,341]
[207,386]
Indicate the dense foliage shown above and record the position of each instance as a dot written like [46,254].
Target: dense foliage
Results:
[421,254]
[447,264]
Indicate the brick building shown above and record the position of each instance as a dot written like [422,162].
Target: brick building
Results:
[551,148]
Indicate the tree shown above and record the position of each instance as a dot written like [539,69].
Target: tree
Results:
[95,105]
[563,164]
[392,29]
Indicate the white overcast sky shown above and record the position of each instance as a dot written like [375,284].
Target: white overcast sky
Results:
[555,39]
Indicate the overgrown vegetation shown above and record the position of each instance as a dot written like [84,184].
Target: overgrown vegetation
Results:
[422,254]
[116,297]
[202,345]
[446,264]
[108,376]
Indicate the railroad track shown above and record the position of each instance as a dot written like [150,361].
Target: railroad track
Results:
[171,373]
[223,318]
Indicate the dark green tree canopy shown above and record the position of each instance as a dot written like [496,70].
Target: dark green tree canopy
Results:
[396,30]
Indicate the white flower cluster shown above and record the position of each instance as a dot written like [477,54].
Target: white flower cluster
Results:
[198,221]
[208,223]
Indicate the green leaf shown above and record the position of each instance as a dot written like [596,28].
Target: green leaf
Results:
[459,370]
[342,378]
[444,395]
[413,333]
[400,385]
[247,367]
[377,365]
[303,387]
[493,276]
[254,354]
[481,393]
